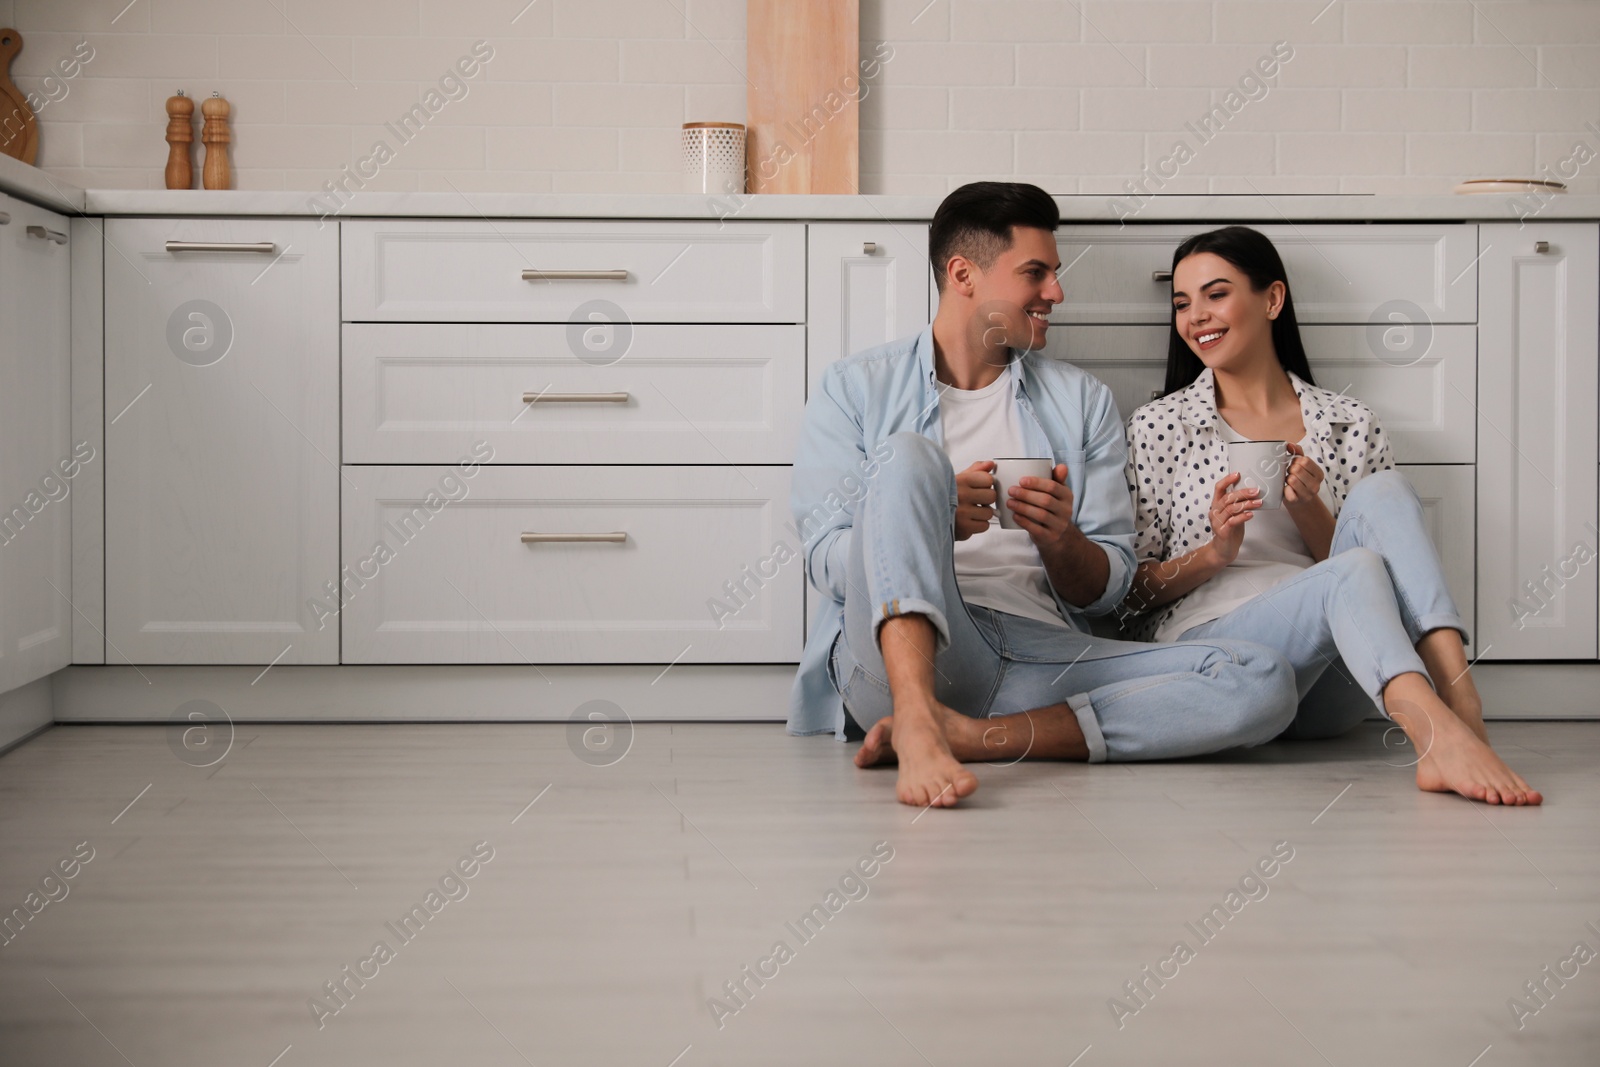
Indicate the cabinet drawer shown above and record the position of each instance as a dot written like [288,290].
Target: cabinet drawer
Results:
[606,394]
[1337,273]
[436,568]
[396,271]
[1423,388]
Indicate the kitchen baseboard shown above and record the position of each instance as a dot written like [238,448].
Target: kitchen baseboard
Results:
[642,692]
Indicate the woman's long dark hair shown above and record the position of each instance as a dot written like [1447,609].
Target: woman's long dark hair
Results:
[1251,252]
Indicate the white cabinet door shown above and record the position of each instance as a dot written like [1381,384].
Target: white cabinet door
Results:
[867,283]
[1448,505]
[1537,441]
[37,467]
[476,564]
[222,440]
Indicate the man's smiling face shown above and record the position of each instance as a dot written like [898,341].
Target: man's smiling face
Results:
[1015,294]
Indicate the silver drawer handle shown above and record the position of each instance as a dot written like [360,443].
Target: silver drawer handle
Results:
[1161,275]
[1541,247]
[266,247]
[869,248]
[530,538]
[575,398]
[530,274]
[5,218]
[53,236]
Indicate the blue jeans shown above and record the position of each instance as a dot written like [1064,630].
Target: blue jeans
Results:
[1133,700]
[1350,624]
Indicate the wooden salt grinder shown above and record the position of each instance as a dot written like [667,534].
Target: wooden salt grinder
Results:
[180,134]
[215,136]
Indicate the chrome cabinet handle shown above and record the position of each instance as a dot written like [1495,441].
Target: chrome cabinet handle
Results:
[869,248]
[55,237]
[531,274]
[266,247]
[1161,275]
[5,218]
[1541,247]
[575,398]
[531,538]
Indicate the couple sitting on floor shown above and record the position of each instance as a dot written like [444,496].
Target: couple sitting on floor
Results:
[950,639]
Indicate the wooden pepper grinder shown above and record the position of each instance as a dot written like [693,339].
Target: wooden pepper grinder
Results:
[180,134]
[215,136]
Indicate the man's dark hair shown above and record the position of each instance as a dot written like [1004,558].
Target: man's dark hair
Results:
[975,221]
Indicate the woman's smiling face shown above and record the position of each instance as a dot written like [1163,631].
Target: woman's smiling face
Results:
[1223,320]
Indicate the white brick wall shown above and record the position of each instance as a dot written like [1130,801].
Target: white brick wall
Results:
[1080,96]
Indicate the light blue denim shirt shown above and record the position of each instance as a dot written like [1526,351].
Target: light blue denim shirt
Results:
[1065,412]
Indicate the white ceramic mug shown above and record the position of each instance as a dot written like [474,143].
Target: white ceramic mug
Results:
[1009,472]
[1261,465]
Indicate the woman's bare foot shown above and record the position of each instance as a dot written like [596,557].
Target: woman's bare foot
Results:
[918,739]
[1456,760]
[1471,714]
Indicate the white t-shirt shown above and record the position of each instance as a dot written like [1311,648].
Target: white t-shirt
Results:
[1272,551]
[995,568]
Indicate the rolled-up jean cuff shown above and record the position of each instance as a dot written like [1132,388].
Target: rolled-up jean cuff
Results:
[904,606]
[1084,710]
[1443,621]
[1393,667]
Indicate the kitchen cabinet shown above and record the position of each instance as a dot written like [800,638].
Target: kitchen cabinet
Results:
[324,452]
[222,440]
[37,461]
[1537,441]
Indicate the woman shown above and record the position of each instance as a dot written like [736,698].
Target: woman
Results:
[1342,578]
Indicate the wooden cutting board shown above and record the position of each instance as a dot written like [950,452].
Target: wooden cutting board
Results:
[19,130]
[802,107]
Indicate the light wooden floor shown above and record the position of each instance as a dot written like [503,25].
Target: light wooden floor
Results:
[223,898]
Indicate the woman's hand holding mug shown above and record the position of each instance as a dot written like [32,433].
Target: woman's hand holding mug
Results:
[1230,510]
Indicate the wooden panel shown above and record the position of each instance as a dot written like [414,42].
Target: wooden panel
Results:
[222,386]
[1537,442]
[427,393]
[453,582]
[803,101]
[405,271]
[1337,273]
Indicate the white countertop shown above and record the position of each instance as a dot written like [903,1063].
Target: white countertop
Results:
[33,184]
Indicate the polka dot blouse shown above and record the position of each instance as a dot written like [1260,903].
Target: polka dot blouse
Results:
[1176,455]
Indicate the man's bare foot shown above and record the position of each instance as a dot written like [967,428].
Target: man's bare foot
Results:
[875,748]
[1455,759]
[917,739]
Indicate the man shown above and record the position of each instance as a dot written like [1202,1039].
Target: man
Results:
[947,638]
